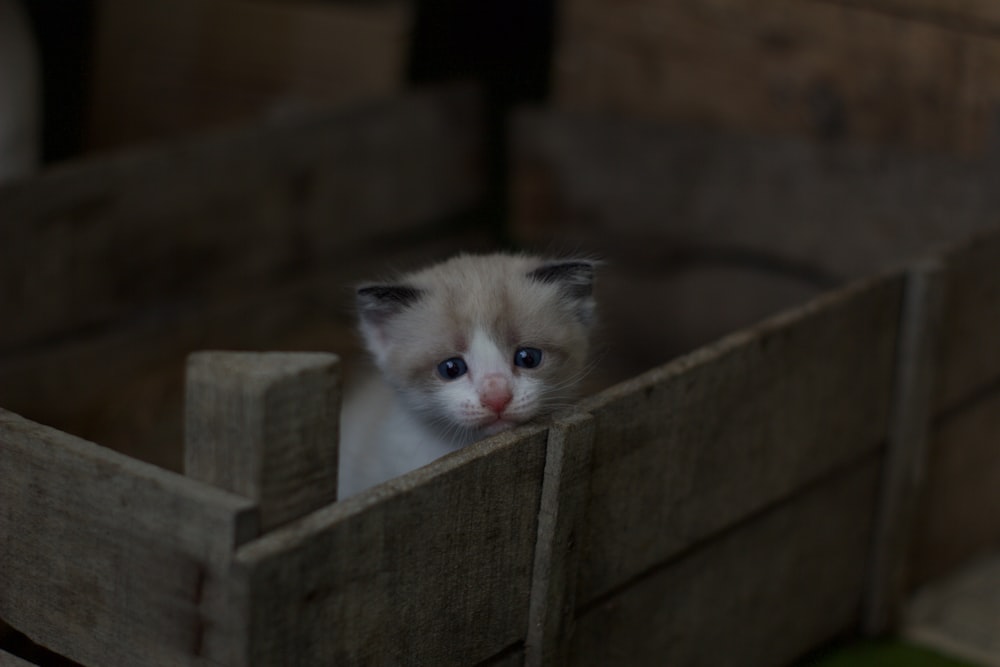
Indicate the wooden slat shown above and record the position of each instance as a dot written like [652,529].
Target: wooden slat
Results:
[432,568]
[958,517]
[670,199]
[110,561]
[906,448]
[970,355]
[265,426]
[561,519]
[692,447]
[96,242]
[823,69]
[763,594]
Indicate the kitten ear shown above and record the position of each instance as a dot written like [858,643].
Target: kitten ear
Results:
[377,304]
[575,279]
[380,302]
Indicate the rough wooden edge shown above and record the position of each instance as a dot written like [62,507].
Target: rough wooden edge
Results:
[905,456]
[96,536]
[285,547]
[265,426]
[560,518]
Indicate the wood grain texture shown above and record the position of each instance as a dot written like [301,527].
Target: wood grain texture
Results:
[763,594]
[265,426]
[970,355]
[95,243]
[107,560]
[957,511]
[669,199]
[562,519]
[431,568]
[690,448]
[906,446]
[822,69]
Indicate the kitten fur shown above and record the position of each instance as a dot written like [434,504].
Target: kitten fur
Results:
[483,310]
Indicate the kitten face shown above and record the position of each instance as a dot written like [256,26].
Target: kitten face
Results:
[478,344]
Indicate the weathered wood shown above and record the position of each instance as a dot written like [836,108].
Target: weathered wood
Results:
[222,60]
[690,448]
[669,199]
[822,69]
[96,243]
[970,356]
[764,593]
[431,568]
[110,561]
[958,615]
[561,521]
[957,511]
[265,426]
[906,447]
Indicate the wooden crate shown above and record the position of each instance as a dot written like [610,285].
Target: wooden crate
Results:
[640,525]
[784,467]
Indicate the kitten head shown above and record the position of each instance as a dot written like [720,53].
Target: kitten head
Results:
[478,344]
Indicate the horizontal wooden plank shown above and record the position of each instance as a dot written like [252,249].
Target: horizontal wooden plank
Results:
[689,448]
[223,60]
[431,568]
[669,199]
[970,355]
[763,594]
[103,240]
[110,561]
[957,518]
[822,69]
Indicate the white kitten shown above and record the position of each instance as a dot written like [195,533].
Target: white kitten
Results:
[466,348]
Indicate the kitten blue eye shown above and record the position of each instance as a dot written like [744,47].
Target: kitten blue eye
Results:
[527,357]
[452,368]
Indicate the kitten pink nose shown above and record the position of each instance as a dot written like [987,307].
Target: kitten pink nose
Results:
[495,392]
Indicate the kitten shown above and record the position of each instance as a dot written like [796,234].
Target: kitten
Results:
[466,348]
